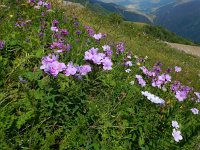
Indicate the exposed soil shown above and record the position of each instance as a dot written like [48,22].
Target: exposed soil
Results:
[193,50]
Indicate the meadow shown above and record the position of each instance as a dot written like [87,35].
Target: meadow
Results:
[72,79]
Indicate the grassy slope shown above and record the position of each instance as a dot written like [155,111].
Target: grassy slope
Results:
[145,45]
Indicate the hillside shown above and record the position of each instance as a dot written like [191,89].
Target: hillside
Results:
[71,79]
[106,8]
[181,18]
[176,16]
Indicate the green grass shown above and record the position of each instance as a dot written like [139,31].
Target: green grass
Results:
[146,45]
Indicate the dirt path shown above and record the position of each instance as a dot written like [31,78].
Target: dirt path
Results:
[193,50]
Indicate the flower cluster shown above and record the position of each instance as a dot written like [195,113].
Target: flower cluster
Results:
[181,92]
[161,80]
[176,133]
[51,66]
[153,98]
[40,3]
[120,48]
[2,44]
[92,55]
[59,45]
[108,51]
[90,31]
[21,23]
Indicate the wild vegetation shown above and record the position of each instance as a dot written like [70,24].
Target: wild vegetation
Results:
[72,80]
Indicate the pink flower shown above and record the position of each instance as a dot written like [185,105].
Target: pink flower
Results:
[70,70]
[178,69]
[55,29]
[85,69]
[175,124]
[98,36]
[107,63]
[177,135]
[140,80]
[195,111]
[181,95]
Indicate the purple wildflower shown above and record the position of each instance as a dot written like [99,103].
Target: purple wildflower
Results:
[195,111]
[181,95]
[90,30]
[107,63]
[120,48]
[128,64]
[64,32]
[2,44]
[97,36]
[90,53]
[55,29]
[177,69]
[140,80]
[197,94]
[175,86]
[51,66]
[175,124]
[78,32]
[55,23]
[177,135]
[108,50]
[70,70]
[85,69]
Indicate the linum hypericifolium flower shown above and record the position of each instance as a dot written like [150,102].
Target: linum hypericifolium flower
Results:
[178,69]
[140,80]
[175,124]
[177,135]
[153,98]
[195,111]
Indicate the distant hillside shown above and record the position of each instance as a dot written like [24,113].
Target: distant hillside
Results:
[106,8]
[181,18]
